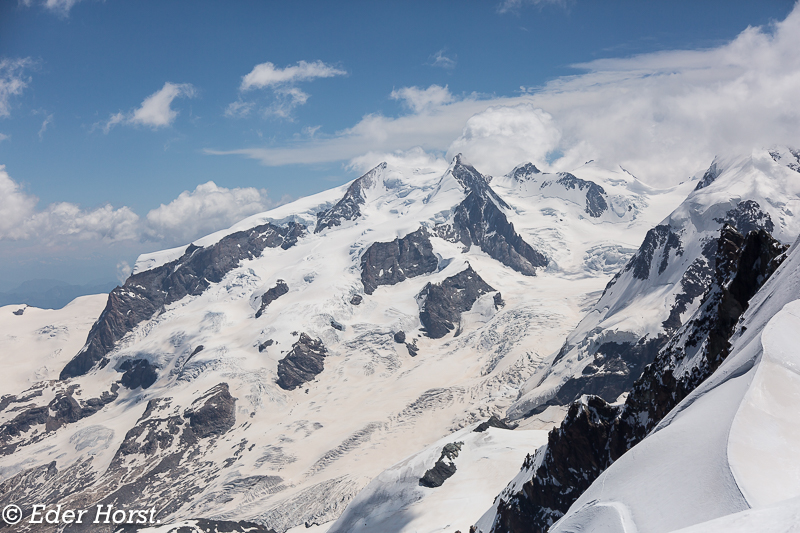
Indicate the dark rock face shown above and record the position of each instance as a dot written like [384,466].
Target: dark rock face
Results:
[62,410]
[216,415]
[302,363]
[443,303]
[708,178]
[266,344]
[338,326]
[479,220]
[388,263]
[349,207]
[594,434]
[498,301]
[747,217]
[661,237]
[138,373]
[493,422]
[795,165]
[412,348]
[400,337]
[444,468]
[271,295]
[596,203]
[614,369]
[356,299]
[146,293]
[525,172]
[19,311]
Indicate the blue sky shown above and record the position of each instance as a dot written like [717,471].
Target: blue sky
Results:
[109,109]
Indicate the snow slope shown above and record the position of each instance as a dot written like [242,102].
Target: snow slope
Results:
[39,342]
[726,448]
[395,501]
[664,282]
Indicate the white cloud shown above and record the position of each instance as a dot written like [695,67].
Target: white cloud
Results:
[281,82]
[206,209]
[4,137]
[287,98]
[432,129]
[501,137]
[415,159]
[12,81]
[239,109]
[420,100]
[20,220]
[59,7]
[156,110]
[440,60]
[46,122]
[123,271]
[15,205]
[664,116]
[267,75]
[191,215]
[514,5]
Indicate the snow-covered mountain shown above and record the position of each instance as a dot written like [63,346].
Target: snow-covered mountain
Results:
[664,282]
[268,372]
[597,434]
[725,458]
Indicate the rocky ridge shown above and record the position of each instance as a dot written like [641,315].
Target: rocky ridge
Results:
[595,433]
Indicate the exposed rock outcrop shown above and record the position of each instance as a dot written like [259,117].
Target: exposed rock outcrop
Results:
[271,295]
[444,468]
[595,433]
[302,363]
[443,303]
[493,422]
[62,410]
[214,413]
[146,293]
[138,373]
[388,263]
[479,220]
[349,207]
[596,203]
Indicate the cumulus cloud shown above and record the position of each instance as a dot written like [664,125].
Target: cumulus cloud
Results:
[191,215]
[123,271]
[15,205]
[282,83]
[420,100]
[414,159]
[439,59]
[19,218]
[501,137]
[13,81]
[663,116]
[156,110]
[206,209]
[433,129]
[59,7]
[515,5]
[267,75]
